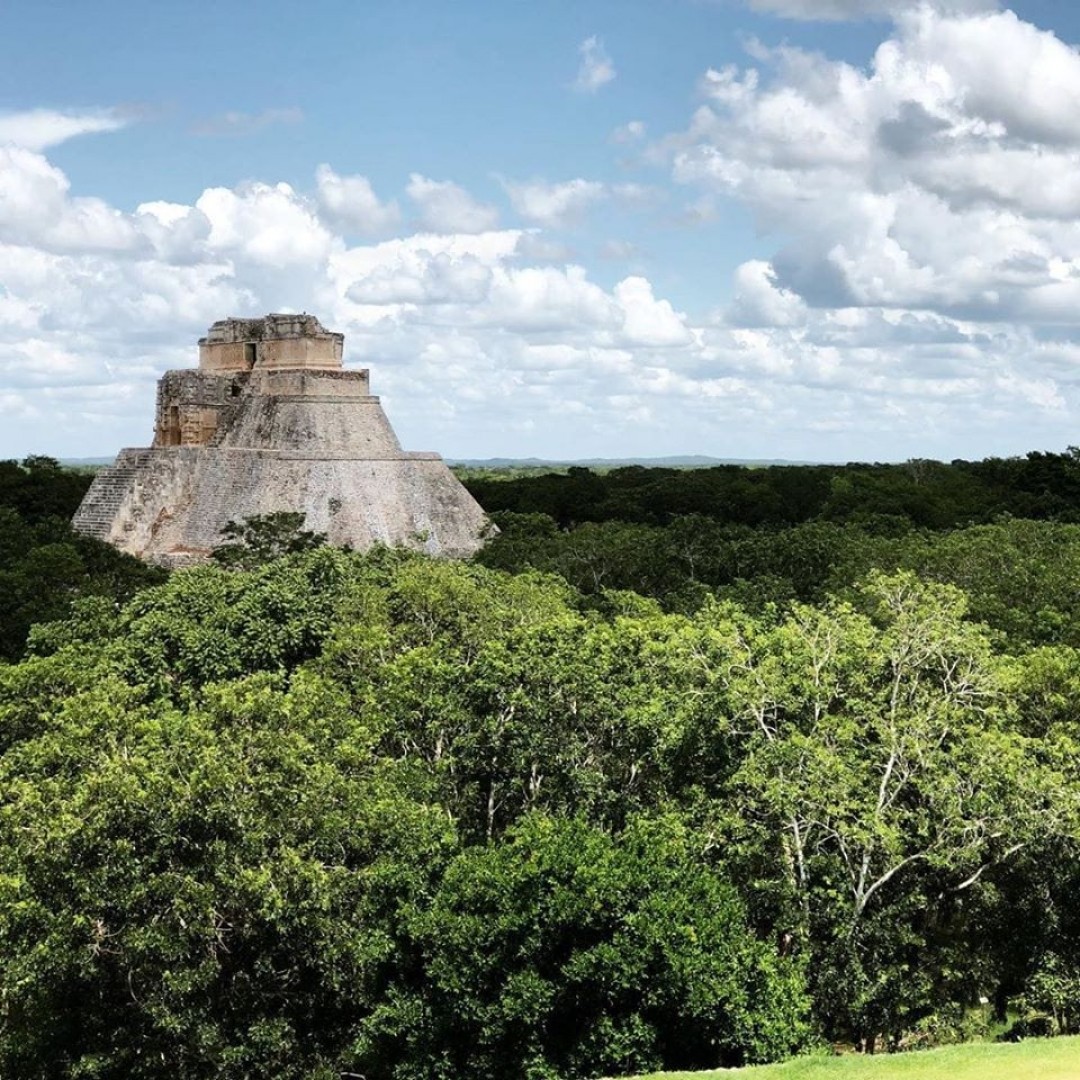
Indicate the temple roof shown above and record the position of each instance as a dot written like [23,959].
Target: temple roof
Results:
[268,327]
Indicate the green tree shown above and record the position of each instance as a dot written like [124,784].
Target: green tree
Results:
[212,892]
[568,952]
[46,569]
[264,537]
[873,752]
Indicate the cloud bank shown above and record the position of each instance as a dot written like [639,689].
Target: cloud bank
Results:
[927,212]
[920,294]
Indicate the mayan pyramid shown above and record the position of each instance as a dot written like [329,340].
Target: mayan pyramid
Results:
[270,421]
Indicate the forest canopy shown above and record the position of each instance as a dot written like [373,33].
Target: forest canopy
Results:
[322,813]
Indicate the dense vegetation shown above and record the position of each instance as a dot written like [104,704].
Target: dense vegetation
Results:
[320,814]
[929,494]
[44,564]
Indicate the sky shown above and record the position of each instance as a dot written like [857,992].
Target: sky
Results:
[821,230]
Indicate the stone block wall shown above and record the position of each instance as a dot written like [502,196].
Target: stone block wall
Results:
[271,343]
[190,406]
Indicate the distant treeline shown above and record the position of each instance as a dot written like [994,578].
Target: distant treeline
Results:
[38,488]
[927,494]
[1002,529]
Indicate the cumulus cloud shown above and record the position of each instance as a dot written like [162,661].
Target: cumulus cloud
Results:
[430,279]
[35,208]
[445,207]
[411,254]
[990,75]
[596,68]
[559,205]
[495,341]
[760,302]
[941,178]
[549,299]
[350,203]
[265,224]
[39,129]
[648,321]
[554,205]
[241,123]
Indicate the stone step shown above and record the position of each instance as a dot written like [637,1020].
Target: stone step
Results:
[107,493]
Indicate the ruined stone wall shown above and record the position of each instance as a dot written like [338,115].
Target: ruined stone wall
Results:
[227,357]
[265,327]
[190,406]
[111,493]
[311,414]
[273,342]
[299,352]
[199,408]
[337,385]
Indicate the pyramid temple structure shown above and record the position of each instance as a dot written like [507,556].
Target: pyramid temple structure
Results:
[270,421]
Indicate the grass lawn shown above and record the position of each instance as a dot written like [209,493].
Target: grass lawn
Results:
[1035,1059]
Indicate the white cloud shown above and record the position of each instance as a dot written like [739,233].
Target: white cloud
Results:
[266,224]
[942,178]
[38,129]
[241,123]
[447,208]
[478,350]
[845,10]
[533,299]
[349,202]
[431,279]
[177,233]
[630,132]
[490,248]
[760,302]
[554,205]
[596,68]
[35,208]
[646,320]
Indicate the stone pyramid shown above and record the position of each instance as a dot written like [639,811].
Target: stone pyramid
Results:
[270,421]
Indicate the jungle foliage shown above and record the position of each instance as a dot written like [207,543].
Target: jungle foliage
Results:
[44,564]
[311,814]
[929,494]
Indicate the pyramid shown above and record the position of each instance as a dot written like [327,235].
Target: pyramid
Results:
[270,421]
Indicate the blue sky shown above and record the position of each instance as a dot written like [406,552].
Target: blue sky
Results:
[816,229]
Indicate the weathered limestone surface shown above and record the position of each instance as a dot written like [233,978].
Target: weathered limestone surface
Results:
[237,438]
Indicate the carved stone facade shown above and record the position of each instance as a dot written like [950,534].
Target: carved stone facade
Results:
[288,342]
[270,421]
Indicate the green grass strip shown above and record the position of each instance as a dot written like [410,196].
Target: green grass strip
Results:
[1034,1059]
